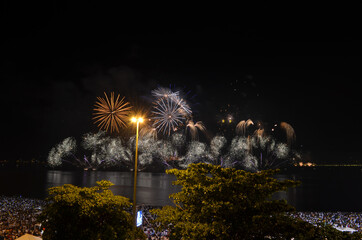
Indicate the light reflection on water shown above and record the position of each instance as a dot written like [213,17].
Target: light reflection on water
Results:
[152,188]
[338,189]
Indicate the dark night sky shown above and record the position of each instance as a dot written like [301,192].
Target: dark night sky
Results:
[57,58]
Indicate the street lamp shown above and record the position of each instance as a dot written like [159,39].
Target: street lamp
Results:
[137,120]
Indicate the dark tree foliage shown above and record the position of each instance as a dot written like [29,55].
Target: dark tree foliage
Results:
[225,203]
[95,213]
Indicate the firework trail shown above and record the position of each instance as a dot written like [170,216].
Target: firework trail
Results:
[266,154]
[107,151]
[239,148]
[146,150]
[168,152]
[165,150]
[64,153]
[259,141]
[241,127]
[112,153]
[178,140]
[256,153]
[196,152]
[216,145]
[158,152]
[251,153]
[164,93]
[251,163]
[58,153]
[111,113]
[259,132]
[289,131]
[148,131]
[94,143]
[194,127]
[184,107]
[94,140]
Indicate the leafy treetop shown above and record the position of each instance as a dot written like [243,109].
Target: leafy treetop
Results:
[225,203]
[72,212]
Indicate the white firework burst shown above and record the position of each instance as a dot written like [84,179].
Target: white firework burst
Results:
[164,93]
[251,163]
[239,147]
[94,140]
[196,152]
[161,92]
[184,107]
[264,154]
[167,115]
[281,151]
[216,144]
[178,140]
[62,150]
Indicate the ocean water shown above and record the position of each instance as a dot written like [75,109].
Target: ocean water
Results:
[322,188]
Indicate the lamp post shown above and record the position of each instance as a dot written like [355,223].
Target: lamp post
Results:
[137,120]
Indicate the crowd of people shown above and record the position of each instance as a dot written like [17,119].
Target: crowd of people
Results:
[339,220]
[18,216]
[150,226]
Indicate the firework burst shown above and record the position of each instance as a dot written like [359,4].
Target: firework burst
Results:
[161,92]
[164,93]
[167,115]
[242,126]
[216,145]
[193,127]
[111,113]
[259,153]
[289,131]
[170,110]
[148,131]
[58,153]
[184,107]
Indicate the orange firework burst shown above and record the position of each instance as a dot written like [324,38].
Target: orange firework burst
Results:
[111,113]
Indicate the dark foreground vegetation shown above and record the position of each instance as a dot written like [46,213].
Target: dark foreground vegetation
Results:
[214,203]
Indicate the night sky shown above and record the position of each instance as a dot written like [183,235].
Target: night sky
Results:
[57,58]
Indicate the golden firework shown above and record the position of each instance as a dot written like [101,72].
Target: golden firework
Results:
[289,131]
[110,113]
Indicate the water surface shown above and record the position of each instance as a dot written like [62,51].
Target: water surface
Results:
[322,188]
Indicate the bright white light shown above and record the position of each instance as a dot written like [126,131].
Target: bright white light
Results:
[139,119]
[139,218]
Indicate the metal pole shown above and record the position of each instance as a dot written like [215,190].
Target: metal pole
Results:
[135,178]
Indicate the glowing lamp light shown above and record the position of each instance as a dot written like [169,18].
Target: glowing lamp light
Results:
[139,119]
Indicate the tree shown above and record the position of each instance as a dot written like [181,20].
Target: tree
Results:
[72,212]
[225,203]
